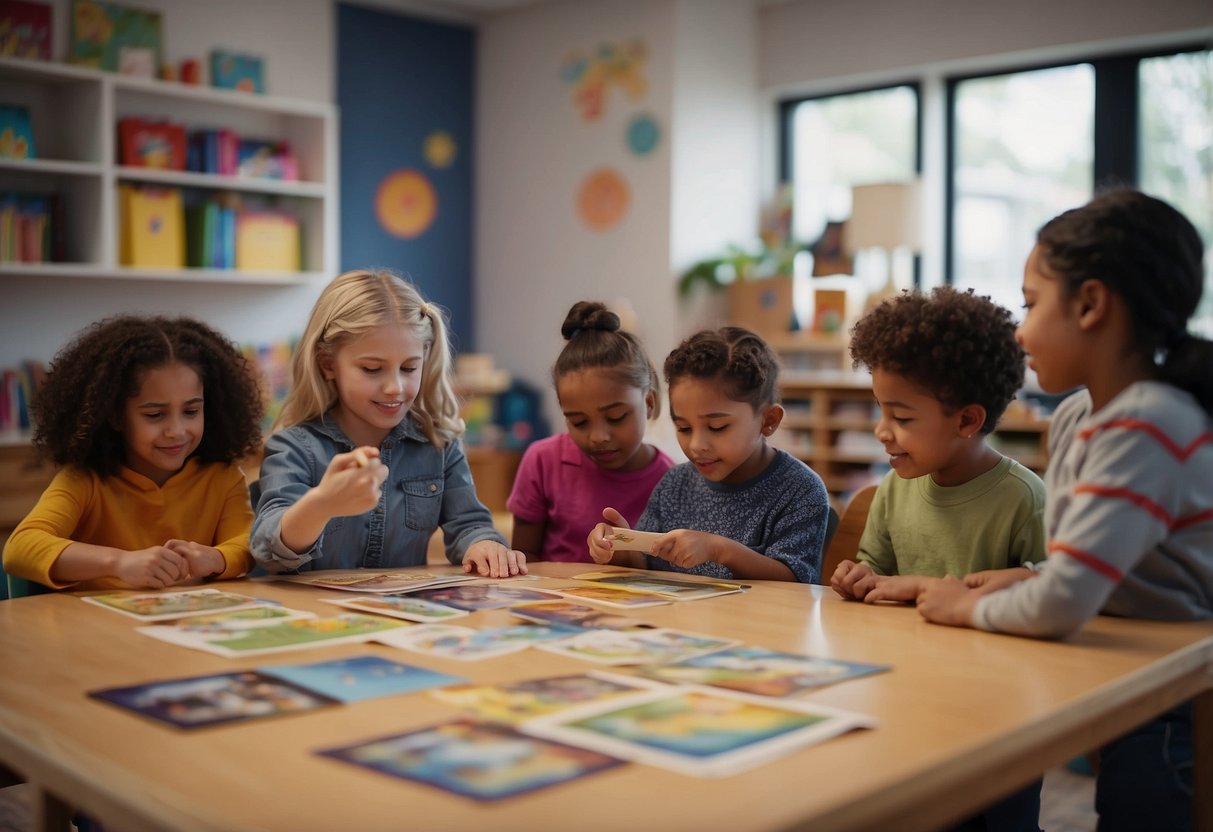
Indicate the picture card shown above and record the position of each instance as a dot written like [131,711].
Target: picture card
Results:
[399,606]
[362,580]
[212,700]
[759,671]
[577,616]
[260,615]
[360,677]
[448,641]
[345,628]
[515,702]
[482,596]
[477,760]
[164,606]
[703,732]
[611,597]
[675,589]
[615,647]
[630,540]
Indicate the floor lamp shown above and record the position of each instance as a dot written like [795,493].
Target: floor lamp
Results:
[888,216]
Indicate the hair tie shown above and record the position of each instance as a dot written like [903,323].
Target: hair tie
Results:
[576,331]
[424,309]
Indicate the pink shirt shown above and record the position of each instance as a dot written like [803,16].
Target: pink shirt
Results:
[558,485]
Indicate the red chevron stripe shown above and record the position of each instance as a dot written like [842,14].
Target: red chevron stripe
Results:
[1133,497]
[1152,430]
[1087,559]
[1192,520]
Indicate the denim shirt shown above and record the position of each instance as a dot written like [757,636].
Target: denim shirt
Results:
[426,487]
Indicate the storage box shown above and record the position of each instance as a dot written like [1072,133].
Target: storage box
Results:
[763,306]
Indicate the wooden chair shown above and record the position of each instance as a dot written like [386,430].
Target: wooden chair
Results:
[845,544]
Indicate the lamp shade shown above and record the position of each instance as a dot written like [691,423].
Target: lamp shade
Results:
[885,216]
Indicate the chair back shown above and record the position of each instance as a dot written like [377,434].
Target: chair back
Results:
[20,587]
[845,543]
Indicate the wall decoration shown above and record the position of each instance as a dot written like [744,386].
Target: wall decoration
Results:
[440,149]
[109,35]
[603,199]
[618,65]
[25,29]
[236,72]
[406,203]
[643,134]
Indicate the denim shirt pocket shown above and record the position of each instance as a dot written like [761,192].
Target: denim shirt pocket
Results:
[422,503]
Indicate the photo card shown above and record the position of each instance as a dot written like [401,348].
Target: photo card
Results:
[357,678]
[759,671]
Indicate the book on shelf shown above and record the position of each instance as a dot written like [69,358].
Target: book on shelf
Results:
[267,241]
[261,159]
[152,222]
[151,144]
[16,133]
[25,29]
[30,228]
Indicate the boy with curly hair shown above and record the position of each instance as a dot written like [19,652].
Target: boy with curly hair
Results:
[945,365]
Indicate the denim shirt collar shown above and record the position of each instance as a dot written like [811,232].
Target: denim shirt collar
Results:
[327,426]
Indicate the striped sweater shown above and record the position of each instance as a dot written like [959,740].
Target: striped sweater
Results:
[1129,518]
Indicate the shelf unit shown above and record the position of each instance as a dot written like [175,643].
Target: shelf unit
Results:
[831,416]
[74,113]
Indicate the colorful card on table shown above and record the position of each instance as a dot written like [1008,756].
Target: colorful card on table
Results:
[578,616]
[399,606]
[639,647]
[675,589]
[481,761]
[702,732]
[447,641]
[360,677]
[163,606]
[515,702]
[264,614]
[482,596]
[612,597]
[760,671]
[362,580]
[291,635]
[213,700]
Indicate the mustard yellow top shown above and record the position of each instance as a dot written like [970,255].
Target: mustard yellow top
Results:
[208,504]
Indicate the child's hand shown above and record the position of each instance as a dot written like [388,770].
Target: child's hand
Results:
[686,548]
[601,549]
[853,580]
[992,580]
[203,561]
[899,588]
[352,482]
[491,559]
[152,568]
[948,601]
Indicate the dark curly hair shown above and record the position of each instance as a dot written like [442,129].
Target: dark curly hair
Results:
[1149,253]
[595,341]
[741,360]
[78,406]
[958,346]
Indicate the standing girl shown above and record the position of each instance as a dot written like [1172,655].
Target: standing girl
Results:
[1109,289]
[367,461]
[148,418]
[607,389]
[739,508]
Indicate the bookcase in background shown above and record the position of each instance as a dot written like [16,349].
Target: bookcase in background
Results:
[830,423]
[75,114]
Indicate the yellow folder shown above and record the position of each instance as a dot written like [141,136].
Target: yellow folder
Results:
[153,228]
[267,242]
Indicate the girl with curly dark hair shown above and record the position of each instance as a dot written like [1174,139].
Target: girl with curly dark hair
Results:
[148,418]
[739,508]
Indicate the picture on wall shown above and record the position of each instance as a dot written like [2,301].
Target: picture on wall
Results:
[115,37]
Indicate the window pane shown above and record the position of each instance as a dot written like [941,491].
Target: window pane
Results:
[1176,142]
[1024,153]
[845,140]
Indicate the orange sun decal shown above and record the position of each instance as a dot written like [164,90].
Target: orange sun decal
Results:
[406,203]
[603,199]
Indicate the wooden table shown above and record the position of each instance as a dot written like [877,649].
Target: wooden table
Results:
[965,718]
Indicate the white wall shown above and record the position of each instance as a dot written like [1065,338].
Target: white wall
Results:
[295,39]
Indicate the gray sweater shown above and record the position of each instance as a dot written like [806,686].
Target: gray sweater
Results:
[1129,519]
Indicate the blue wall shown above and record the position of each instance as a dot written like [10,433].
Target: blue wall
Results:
[400,80]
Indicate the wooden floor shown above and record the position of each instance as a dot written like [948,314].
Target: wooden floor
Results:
[1067,805]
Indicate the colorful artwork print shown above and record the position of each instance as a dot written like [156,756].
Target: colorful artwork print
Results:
[161,606]
[480,761]
[213,700]
[760,671]
[25,29]
[276,637]
[360,677]
[400,606]
[465,644]
[618,66]
[696,731]
[406,204]
[639,647]
[102,32]
[517,702]
[643,134]
[579,616]
[261,615]
[481,596]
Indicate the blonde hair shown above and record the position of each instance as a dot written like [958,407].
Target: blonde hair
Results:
[349,307]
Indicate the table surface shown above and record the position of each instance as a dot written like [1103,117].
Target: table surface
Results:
[964,717]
